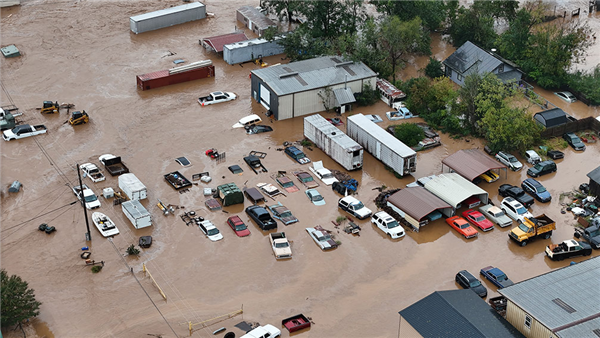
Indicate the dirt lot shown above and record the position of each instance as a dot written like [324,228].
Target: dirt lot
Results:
[82,52]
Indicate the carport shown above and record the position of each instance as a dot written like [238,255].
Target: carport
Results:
[470,163]
[416,204]
[454,190]
[216,43]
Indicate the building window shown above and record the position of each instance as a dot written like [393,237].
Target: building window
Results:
[527,322]
[459,77]
[501,69]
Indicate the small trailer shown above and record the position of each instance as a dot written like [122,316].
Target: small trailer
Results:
[296,323]
[344,150]
[132,187]
[137,214]
[177,180]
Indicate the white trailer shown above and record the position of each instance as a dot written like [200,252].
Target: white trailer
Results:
[132,187]
[382,145]
[167,17]
[137,214]
[333,142]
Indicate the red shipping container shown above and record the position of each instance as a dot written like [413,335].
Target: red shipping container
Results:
[162,77]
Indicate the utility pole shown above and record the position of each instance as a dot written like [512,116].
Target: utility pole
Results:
[88,236]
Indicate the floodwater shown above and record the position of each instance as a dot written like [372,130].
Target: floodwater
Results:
[83,53]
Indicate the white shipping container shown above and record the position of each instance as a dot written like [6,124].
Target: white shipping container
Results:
[381,144]
[132,187]
[333,142]
[137,214]
[167,17]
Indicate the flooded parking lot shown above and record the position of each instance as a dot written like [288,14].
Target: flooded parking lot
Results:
[84,53]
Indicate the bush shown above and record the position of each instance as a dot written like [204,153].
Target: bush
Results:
[410,134]
[306,143]
[368,96]
[434,68]
[96,268]
[588,84]
[132,251]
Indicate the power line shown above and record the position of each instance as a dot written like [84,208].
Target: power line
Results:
[44,214]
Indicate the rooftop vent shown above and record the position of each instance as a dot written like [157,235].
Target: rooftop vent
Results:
[563,305]
[281,76]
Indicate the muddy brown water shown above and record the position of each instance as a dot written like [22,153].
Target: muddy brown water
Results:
[83,53]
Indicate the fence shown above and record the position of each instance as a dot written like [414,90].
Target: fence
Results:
[572,127]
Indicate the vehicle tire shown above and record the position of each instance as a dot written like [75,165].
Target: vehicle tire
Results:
[588,253]
[524,243]
[548,235]
[597,246]
[390,236]
[578,235]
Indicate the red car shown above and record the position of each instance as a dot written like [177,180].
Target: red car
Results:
[238,226]
[478,220]
[462,226]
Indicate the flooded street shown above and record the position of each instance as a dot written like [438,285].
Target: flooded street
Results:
[83,53]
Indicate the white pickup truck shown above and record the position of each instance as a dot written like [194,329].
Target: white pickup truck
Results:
[93,172]
[91,200]
[23,131]
[216,97]
[267,331]
[280,245]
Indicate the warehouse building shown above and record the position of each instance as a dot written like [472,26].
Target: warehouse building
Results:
[310,86]
[254,20]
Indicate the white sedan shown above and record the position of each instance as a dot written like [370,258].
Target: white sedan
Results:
[93,172]
[323,173]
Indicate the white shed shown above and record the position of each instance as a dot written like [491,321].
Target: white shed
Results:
[455,189]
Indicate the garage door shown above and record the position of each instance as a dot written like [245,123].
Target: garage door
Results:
[265,96]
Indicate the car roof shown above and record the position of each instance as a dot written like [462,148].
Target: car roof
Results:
[533,182]
[236,219]
[496,272]
[467,275]
[511,201]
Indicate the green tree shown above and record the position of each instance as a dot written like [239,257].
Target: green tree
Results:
[368,96]
[324,18]
[587,83]
[400,38]
[410,134]
[282,8]
[365,47]
[426,96]
[510,129]
[432,13]
[472,25]
[18,300]
[300,45]
[434,68]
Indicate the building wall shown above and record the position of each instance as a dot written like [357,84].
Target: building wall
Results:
[251,52]
[594,188]
[406,330]
[286,107]
[516,317]
[255,92]
[453,75]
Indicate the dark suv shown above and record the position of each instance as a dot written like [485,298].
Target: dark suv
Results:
[465,279]
[297,155]
[574,141]
[542,168]
[507,190]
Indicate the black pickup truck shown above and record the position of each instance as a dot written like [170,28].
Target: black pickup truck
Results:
[113,164]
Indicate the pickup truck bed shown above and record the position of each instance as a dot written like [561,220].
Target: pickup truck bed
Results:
[113,164]
[177,180]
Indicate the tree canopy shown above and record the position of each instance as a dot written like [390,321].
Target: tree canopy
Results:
[410,134]
[18,300]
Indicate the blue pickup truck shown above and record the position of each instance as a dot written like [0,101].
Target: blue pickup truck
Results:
[496,276]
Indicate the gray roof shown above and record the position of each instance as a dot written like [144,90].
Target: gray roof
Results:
[510,76]
[549,297]
[311,74]
[594,175]
[456,313]
[469,58]
[335,135]
[586,329]
[382,135]
[344,96]
[551,118]
[454,189]
[470,163]
[258,19]
[417,202]
[166,11]
[135,208]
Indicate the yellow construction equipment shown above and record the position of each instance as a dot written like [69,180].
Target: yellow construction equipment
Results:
[50,107]
[78,117]
[260,61]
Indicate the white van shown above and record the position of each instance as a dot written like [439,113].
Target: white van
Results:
[247,121]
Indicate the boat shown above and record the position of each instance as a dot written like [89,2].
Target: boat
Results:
[104,224]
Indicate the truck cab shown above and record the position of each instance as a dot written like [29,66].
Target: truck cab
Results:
[354,207]
[533,227]
[280,245]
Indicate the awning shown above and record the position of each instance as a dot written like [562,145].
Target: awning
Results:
[216,43]
[344,96]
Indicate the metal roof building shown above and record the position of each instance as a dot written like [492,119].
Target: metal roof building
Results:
[470,163]
[249,50]
[594,176]
[453,313]
[252,18]
[216,43]
[415,204]
[454,189]
[309,86]
[551,118]
[561,303]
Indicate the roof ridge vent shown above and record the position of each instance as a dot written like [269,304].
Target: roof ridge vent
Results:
[341,64]
[281,76]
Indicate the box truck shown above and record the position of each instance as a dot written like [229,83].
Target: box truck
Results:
[382,145]
[137,214]
[132,187]
[333,142]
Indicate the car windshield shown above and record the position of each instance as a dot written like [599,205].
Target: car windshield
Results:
[307,179]
[541,189]
[463,225]
[91,198]
[538,166]
[392,224]
[501,278]
[225,94]
[240,227]
[474,283]
[521,210]
[479,218]
[523,227]
[282,245]
[326,174]
[512,159]
[212,232]
[358,205]
[286,213]
[288,184]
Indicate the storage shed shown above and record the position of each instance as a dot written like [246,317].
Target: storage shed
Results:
[252,18]
[551,118]
[470,163]
[216,43]
[10,51]
[418,206]
[455,189]
[306,87]
[249,50]
[230,194]
[594,176]
[167,17]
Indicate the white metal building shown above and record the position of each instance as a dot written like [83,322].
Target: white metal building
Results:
[454,189]
[306,87]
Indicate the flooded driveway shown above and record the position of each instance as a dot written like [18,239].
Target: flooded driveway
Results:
[83,53]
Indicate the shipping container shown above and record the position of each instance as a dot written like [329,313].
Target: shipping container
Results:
[381,144]
[333,142]
[132,187]
[172,76]
[167,17]
[137,214]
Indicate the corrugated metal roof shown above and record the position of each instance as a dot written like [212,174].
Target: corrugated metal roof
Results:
[417,202]
[453,188]
[258,19]
[382,135]
[585,329]
[344,96]
[217,42]
[317,73]
[551,118]
[470,163]
[457,313]
[135,208]
[154,75]
[469,58]
[594,175]
[510,76]
[576,285]
[165,11]
[327,128]
[389,89]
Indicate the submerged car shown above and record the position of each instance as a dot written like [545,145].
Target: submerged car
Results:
[282,213]
[496,276]
[478,220]
[509,190]
[323,173]
[322,238]
[566,96]
[286,183]
[574,141]
[354,207]
[388,224]
[514,209]
[261,216]
[509,160]
[257,129]
[306,179]
[467,281]
[462,226]
[374,118]
[297,155]
[210,230]
[315,197]
[238,226]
